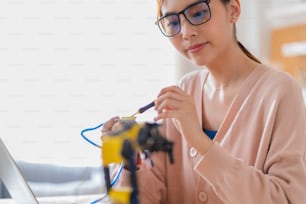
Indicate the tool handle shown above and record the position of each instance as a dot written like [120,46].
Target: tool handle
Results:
[146,107]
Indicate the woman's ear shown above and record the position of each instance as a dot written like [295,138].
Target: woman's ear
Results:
[234,10]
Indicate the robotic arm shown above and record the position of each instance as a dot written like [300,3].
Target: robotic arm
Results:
[123,145]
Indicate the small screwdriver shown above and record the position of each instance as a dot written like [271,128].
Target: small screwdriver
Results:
[144,108]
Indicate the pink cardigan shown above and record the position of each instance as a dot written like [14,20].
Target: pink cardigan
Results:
[258,154]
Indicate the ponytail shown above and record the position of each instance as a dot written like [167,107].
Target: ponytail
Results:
[244,50]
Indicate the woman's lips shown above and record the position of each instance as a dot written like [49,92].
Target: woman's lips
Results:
[196,48]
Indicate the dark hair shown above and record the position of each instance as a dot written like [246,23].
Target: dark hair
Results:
[244,50]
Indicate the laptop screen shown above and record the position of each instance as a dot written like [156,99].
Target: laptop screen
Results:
[13,179]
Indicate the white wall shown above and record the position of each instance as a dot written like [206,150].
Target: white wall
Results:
[70,65]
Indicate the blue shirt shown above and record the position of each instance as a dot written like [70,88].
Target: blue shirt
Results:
[210,133]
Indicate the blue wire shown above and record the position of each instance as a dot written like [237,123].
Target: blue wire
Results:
[90,129]
[116,178]
[99,199]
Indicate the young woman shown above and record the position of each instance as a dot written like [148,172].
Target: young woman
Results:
[238,125]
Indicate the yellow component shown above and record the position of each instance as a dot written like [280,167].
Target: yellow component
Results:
[111,149]
[121,196]
[115,150]
[112,144]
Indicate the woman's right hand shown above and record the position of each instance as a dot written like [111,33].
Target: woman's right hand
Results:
[110,125]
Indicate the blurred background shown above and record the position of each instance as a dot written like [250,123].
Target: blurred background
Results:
[67,65]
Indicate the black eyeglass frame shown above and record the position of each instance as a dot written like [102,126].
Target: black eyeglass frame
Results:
[183,12]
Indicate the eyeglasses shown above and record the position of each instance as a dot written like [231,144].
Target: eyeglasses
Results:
[196,14]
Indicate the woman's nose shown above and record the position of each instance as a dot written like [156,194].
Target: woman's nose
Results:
[188,30]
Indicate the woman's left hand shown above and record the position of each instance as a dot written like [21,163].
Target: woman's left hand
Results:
[173,102]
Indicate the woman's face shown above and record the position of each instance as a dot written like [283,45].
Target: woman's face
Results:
[205,43]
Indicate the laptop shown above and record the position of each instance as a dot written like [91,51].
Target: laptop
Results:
[20,190]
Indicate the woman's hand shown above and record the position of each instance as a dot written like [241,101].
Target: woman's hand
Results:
[173,102]
[110,125]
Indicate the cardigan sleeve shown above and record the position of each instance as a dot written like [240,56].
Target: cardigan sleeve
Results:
[283,177]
